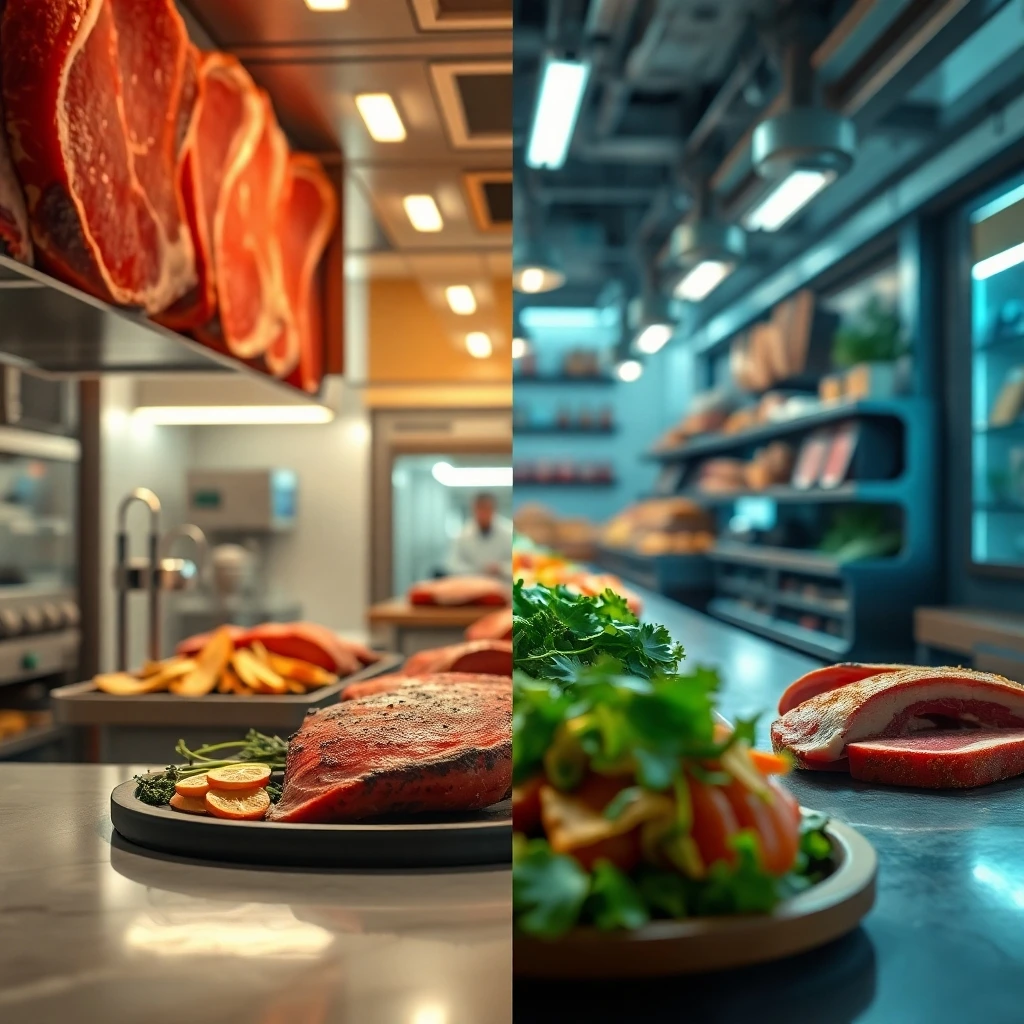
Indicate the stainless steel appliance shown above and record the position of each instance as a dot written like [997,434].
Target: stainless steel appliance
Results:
[32,402]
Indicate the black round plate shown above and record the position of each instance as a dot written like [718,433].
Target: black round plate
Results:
[453,840]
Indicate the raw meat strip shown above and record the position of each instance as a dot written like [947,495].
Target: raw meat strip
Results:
[831,677]
[493,657]
[459,590]
[306,219]
[495,626]
[895,704]
[219,142]
[953,759]
[92,90]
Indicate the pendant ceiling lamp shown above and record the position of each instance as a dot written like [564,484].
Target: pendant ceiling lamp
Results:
[650,317]
[536,268]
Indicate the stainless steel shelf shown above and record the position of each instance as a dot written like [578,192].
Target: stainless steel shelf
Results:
[821,645]
[30,739]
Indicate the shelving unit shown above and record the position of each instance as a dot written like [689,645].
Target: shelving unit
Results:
[29,740]
[563,379]
[550,430]
[873,492]
[567,483]
[687,578]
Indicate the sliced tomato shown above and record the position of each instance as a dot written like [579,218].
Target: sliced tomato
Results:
[771,822]
[526,805]
[714,822]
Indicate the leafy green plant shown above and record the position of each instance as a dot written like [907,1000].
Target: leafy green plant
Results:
[860,532]
[875,335]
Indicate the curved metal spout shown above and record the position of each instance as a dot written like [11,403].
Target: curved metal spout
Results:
[146,497]
[187,531]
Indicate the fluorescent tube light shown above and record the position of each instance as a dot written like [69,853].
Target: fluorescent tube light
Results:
[561,95]
[327,5]
[461,300]
[520,348]
[700,282]
[787,199]
[380,115]
[423,213]
[654,338]
[993,265]
[478,344]
[231,415]
[472,476]
[629,370]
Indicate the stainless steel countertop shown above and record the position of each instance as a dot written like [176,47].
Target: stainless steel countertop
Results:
[95,932]
[943,944]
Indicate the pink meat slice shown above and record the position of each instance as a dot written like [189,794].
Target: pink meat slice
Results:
[460,590]
[493,657]
[956,759]
[896,704]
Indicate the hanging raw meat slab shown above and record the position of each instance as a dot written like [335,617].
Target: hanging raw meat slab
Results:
[218,144]
[15,236]
[93,92]
[306,220]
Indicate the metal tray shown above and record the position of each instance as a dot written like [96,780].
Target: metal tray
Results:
[475,837]
[82,704]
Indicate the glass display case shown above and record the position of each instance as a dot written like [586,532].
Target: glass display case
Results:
[997,380]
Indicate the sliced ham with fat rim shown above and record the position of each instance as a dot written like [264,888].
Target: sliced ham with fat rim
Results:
[403,680]
[493,657]
[896,704]
[93,93]
[218,143]
[455,591]
[946,759]
[831,677]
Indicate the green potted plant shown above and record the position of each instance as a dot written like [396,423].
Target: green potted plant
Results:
[868,347]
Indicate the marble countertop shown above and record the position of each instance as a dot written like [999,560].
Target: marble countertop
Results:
[943,943]
[93,931]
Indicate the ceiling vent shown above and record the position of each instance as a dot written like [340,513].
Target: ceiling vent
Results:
[463,15]
[490,199]
[476,100]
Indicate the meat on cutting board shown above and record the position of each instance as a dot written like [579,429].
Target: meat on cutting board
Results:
[954,759]
[219,142]
[896,704]
[459,590]
[830,677]
[306,218]
[428,748]
[493,626]
[92,91]
[493,657]
[406,678]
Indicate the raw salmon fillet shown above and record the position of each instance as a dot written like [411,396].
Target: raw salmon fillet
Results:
[93,93]
[217,144]
[495,626]
[306,219]
[493,657]
[406,678]
[896,704]
[427,748]
[459,590]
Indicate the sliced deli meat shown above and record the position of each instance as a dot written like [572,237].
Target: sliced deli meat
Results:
[490,656]
[896,704]
[407,678]
[93,93]
[495,626]
[830,677]
[957,759]
[460,590]
[428,748]
[218,143]
[306,219]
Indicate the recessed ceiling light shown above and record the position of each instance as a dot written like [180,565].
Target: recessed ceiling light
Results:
[461,300]
[561,95]
[381,117]
[700,282]
[478,345]
[327,5]
[629,370]
[423,213]
[520,348]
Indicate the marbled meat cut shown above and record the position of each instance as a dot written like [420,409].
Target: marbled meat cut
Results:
[252,304]
[307,216]
[94,92]
[493,657]
[460,590]
[218,144]
[831,677]
[406,678]
[494,626]
[427,748]
[953,759]
[896,704]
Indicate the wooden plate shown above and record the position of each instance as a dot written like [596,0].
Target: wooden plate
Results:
[823,913]
[475,837]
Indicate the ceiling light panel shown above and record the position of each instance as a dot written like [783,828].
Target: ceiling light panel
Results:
[700,282]
[478,345]
[461,300]
[561,96]
[786,199]
[423,213]
[381,117]
[327,5]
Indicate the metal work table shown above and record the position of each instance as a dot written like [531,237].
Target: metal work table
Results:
[95,932]
[943,943]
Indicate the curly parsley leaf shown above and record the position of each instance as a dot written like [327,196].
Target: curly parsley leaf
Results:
[548,889]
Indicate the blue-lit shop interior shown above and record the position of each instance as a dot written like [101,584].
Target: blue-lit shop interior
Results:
[769,261]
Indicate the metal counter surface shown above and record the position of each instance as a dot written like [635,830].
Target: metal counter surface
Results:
[945,941]
[93,931]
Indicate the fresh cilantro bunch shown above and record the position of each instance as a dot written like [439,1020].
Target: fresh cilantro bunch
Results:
[556,632]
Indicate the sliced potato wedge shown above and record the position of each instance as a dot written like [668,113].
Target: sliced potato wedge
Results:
[255,674]
[294,686]
[210,664]
[301,671]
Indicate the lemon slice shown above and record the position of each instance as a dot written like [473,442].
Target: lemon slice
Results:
[188,804]
[239,776]
[194,785]
[239,805]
